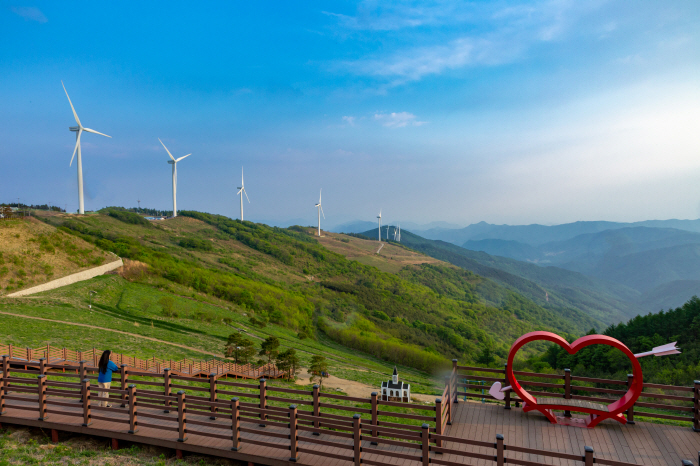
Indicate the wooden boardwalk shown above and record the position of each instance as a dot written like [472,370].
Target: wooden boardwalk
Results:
[644,443]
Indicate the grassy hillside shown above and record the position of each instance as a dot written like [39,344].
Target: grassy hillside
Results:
[286,278]
[33,253]
[572,295]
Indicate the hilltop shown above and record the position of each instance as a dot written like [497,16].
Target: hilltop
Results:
[399,306]
[34,253]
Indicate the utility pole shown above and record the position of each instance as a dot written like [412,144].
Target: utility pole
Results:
[139,201]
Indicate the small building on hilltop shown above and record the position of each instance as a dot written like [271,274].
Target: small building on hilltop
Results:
[393,390]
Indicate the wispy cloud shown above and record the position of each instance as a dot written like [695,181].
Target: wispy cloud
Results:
[30,13]
[349,120]
[398,120]
[500,35]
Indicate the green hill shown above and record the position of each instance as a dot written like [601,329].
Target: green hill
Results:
[566,293]
[419,317]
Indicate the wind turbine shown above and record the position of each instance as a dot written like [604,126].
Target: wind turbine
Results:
[78,132]
[242,191]
[320,211]
[379,217]
[173,161]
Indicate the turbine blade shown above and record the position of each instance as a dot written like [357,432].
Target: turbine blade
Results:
[324,215]
[96,132]
[166,150]
[239,191]
[183,157]
[246,195]
[77,143]
[319,196]
[77,120]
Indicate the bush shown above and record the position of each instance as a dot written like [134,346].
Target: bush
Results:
[194,243]
[128,217]
[167,303]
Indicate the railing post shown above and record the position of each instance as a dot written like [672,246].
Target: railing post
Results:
[86,403]
[213,397]
[567,389]
[374,417]
[124,379]
[83,372]
[588,456]
[263,400]
[317,409]
[449,400]
[438,420]
[42,366]
[505,384]
[41,382]
[181,416]
[132,409]
[696,408]
[630,412]
[425,441]
[454,380]
[3,385]
[167,389]
[235,424]
[357,438]
[293,439]
[499,450]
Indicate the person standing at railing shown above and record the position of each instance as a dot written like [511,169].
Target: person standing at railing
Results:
[104,378]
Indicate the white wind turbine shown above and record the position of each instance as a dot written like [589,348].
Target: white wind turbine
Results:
[173,161]
[242,191]
[320,212]
[78,132]
[379,217]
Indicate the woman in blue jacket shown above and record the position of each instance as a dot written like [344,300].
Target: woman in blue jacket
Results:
[104,378]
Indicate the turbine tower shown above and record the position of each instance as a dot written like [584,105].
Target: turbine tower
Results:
[78,132]
[173,161]
[320,212]
[242,191]
[379,217]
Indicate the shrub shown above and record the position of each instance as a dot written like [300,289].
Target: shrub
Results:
[194,243]
[128,217]
[167,303]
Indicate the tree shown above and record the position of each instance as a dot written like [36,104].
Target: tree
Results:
[486,357]
[269,348]
[318,366]
[246,345]
[288,361]
[167,303]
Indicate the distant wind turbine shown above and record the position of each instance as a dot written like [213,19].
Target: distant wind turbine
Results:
[78,132]
[242,191]
[320,212]
[379,217]
[173,161]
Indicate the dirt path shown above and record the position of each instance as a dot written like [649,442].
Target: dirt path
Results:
[114,331]
[353,388]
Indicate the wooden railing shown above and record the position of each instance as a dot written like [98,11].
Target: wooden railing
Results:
[66,356]
[218,408]
[685,401]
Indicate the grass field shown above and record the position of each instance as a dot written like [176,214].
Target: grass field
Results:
[120,305]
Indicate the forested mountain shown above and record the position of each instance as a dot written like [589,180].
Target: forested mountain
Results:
[420,317]
[554,288]
[641,334]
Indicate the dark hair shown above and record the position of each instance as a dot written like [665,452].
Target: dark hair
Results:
[104,360]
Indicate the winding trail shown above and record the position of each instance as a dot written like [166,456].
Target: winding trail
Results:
[114,331]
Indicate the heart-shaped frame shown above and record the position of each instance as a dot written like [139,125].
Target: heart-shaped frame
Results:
[614,410]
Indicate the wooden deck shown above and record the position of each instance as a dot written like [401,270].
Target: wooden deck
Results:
[642,443]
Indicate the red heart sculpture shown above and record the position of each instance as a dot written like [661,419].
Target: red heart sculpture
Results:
[612,411]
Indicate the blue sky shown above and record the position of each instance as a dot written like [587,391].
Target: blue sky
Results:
[508,112]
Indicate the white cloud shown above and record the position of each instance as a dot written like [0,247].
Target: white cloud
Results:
[501,35]
[397,120]
[30,13]
[349,120]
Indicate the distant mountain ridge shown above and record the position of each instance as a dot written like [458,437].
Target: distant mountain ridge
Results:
[536,234]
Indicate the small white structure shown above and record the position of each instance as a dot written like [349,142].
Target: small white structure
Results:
[393,390]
